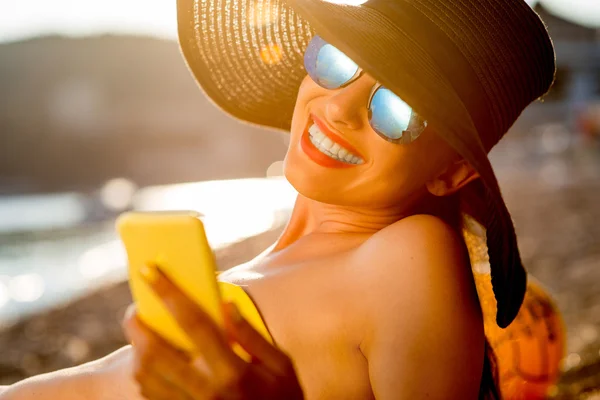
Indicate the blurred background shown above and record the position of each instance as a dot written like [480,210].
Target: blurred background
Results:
[99,115]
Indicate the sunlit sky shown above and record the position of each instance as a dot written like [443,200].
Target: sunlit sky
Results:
[585,12]
[25,18]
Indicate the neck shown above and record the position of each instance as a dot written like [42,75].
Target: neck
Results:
[312,217]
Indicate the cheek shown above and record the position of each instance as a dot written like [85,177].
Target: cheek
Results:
[383,183]
[398,172]
[397,180]
[419,162]
[306,93]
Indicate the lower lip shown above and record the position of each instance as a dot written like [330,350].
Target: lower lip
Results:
[314,154]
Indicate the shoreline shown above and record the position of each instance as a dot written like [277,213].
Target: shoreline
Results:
[89,328]
[556,227]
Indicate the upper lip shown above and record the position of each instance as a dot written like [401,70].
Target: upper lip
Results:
[335,137]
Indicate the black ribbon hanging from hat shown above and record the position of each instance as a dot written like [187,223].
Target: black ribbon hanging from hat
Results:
[469,67]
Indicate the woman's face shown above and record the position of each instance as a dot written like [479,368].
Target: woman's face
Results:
[389,172]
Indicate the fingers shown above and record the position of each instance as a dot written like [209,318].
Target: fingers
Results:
[164,372]
[159,368]
[225,368]
[274,376]
[255,344]
[153,387]
[208,338]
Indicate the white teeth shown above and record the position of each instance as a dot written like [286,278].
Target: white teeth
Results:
[331,149]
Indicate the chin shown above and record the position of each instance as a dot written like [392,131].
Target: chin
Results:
[336,186]
[312,183]
[311,186]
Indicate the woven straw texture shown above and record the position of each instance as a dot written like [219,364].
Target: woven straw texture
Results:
[469,67]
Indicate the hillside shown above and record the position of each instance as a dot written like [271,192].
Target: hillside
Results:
[75,112]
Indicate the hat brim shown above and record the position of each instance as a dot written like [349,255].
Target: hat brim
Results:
[247,56]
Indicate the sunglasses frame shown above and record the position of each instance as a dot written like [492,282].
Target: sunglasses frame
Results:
[374,89]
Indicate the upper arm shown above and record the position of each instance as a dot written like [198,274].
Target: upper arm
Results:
[103,379]
[66,384]
[425,336]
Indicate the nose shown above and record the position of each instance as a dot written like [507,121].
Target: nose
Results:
[347,106]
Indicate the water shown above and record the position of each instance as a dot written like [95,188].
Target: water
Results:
[42,212]
[57,257]
[39,273]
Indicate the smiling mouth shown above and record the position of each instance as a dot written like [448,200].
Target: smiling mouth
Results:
[330,148]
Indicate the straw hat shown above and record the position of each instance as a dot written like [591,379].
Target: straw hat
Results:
[469,67]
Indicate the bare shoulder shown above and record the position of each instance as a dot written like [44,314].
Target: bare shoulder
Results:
[104,379]
[417,230]
[419,258]
[422,311]
[417,244]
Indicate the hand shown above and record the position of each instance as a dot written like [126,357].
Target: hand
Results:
[214,371]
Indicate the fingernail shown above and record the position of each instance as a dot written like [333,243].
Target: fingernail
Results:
[129,311]
[199,364]
[236,316]
[149,272]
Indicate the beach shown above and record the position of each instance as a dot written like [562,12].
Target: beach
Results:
[553,198]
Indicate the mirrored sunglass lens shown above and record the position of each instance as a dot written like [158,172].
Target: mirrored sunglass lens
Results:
[328,66]
[390,115]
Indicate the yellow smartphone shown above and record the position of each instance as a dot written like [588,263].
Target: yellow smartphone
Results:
[176,242]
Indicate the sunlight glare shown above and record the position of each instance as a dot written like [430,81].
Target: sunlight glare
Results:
[271,54]
[117,193]
[348,2]
[4,297]
[275,169]
[257,16]
[233,209]
[22,19]
[585,12]
[26,288]
[99,261]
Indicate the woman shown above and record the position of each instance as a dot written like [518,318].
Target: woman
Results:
[392,107]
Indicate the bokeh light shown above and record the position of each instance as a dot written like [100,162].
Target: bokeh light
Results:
[275,169]
[257,16]
[271,54]
[100,260]
[233,210]
[4,295]
[571,361]
[26,287]
[118,193]
[61,246]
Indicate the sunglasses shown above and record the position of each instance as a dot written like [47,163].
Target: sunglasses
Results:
[389,115]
